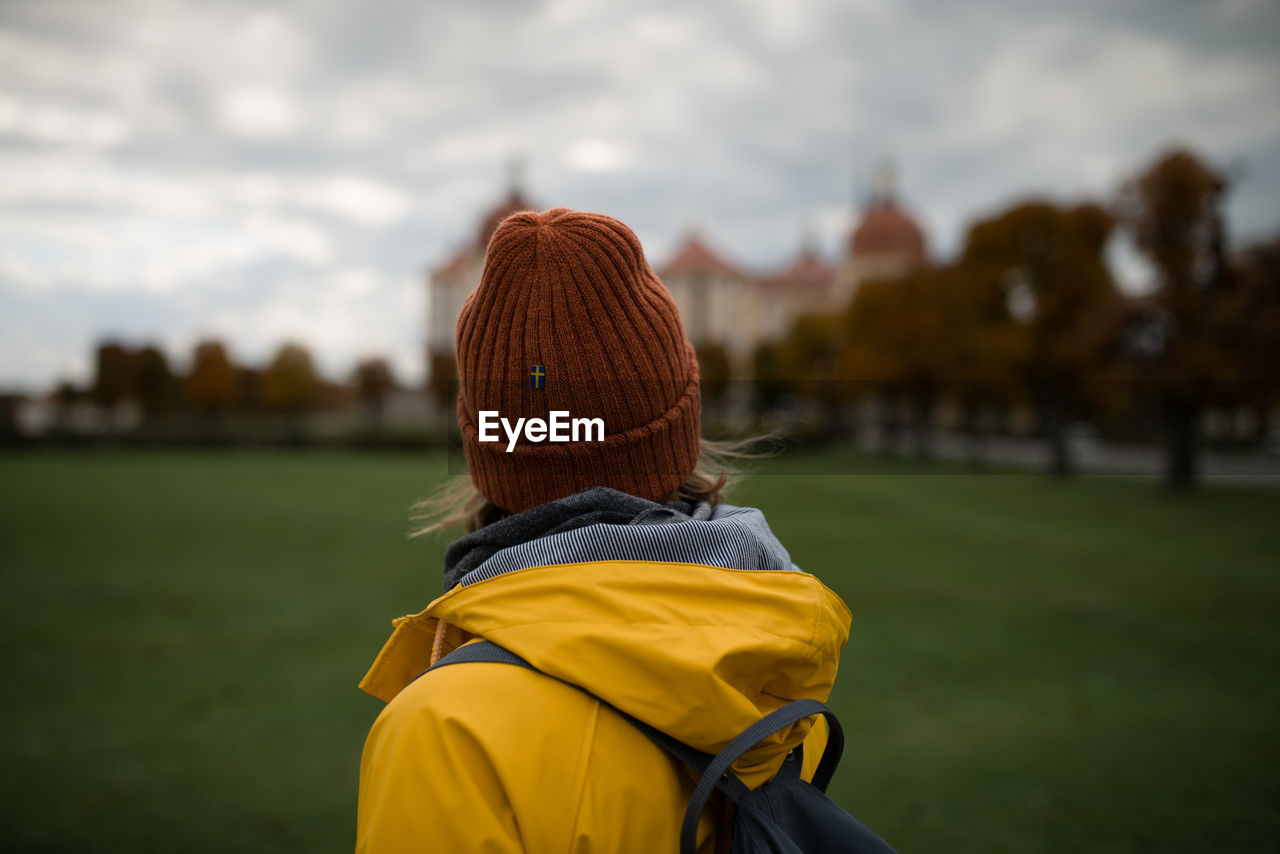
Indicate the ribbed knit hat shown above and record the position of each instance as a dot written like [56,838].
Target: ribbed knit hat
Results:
[567,302]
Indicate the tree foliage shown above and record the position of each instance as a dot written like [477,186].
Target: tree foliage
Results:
[715,371]
[442,385]
[373,382]
[769,378]
[289,383]
[1249,323]
[1047,308]
[1173,210]
[212,386]
[1030,304]
[115,375]
[157,386]
[1048,263]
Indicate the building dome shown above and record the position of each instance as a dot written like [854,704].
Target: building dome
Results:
[888,230]
[514,203]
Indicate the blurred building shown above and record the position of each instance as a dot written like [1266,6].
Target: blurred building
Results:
[449,284]
[887,243]
[716,298]
[722,303]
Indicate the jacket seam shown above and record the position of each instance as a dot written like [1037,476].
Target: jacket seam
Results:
[584,762]
[817,616]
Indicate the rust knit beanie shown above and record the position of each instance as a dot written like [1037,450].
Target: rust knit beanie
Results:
[569,316]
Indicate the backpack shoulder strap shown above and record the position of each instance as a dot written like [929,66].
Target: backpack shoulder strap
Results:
[749,738]
[481,651]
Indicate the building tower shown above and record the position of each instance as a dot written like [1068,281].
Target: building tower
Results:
[887,242]
[449,284]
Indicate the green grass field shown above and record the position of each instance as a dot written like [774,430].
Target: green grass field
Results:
[1033,667]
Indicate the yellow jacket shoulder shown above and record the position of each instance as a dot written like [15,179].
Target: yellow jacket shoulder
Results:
[491,757]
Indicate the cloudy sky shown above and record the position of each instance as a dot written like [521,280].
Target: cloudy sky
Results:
[267,171]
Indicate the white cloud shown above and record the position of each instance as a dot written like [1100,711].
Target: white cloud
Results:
[597,155]
[268,214]
[268,40]
[84,181]
[123,253]
[294,238]
[356,282]
[341,315]
[366,111]
[259,112]
[361,200]
[60,123]
[1077,100]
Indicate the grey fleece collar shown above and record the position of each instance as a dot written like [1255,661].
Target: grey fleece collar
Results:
[616,526]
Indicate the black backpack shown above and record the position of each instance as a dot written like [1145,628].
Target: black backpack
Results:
[784,816]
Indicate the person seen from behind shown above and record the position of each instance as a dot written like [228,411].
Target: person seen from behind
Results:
[610,563]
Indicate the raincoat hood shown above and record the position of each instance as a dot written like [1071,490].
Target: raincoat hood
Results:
[697,626]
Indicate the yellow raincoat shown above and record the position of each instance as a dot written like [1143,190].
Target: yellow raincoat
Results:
[489,757]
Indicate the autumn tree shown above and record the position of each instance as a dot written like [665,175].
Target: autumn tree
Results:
[768,378]
[897,345]
[1249,324]
[442,385]
[715,372]
[867,358]
[249,389]
[289,383]
[1047,265]
[809,359]
[9,405]
[985,346]
[157,386]
[373,383]
[1174,212]
[211,384]
[115,376]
